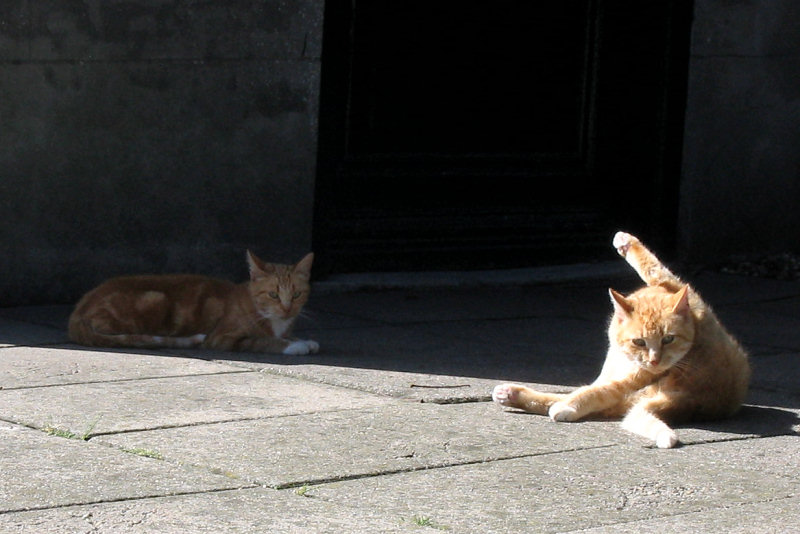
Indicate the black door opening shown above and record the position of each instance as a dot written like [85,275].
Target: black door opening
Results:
[463,134]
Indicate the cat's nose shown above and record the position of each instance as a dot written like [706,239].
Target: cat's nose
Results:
[655,357]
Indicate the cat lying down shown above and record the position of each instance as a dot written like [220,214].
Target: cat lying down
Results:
[192,311]
[669,360]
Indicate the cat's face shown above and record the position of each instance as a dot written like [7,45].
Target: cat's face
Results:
[653,327]
[279,291]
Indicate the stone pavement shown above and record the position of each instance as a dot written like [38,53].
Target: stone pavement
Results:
[390,428]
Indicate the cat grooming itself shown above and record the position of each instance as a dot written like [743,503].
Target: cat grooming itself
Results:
[669,360]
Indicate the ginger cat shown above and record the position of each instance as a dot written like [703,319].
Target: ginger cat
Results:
[669,360]
[190,311]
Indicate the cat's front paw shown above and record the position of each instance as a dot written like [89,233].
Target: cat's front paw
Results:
[301,347]
[623,242]
[561,411]
[505,394]
[666,439]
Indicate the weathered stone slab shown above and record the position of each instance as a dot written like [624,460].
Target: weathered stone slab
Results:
[437,363]
[38,470]
[14,333]
[289,451]
[243,511]
[780,516]
[578,489]
[172,401]
[23,367]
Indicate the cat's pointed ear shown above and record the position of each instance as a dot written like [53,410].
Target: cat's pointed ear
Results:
[681,305]
[257,266]
[622,306]
[303,267]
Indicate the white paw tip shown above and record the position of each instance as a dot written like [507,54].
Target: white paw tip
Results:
[666,440]
[562,412]
[301,347]
[622,241]
[502,394]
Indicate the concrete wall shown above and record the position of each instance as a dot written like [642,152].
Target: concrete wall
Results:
[153,135]
[741,162]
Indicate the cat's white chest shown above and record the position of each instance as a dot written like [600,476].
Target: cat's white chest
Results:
[280,326]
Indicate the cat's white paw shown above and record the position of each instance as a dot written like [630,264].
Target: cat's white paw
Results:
[666,439]
[301,347]
[622,242]
[504,394]
[561,411]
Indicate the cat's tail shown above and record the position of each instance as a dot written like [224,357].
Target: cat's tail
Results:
[82,332]
[645,263]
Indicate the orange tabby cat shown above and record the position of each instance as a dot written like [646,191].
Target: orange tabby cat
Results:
[186,311]
[670,360]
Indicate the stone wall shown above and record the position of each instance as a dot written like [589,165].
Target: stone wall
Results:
[741,161]
[153,136]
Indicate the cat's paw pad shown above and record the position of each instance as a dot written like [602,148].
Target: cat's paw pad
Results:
[666,439]
[623,242]
[505,394]
[301,347]
[561,411]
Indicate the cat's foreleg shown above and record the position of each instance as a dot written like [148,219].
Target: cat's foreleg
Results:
[270,345]
[584,401]
[524,398]
[645,263]
[301,347]
[643,421]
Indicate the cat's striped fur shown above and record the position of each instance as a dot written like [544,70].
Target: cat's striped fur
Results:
[187,311]
[669,360]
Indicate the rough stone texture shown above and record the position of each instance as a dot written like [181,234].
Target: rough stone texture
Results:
[153,136]
[55,471]
[191,441]
[741,163]
[235,511]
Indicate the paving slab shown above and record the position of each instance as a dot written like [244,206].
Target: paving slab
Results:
[304,449]
[244,511]
[14,333]
[23,367]
[40,471]
[452,362]
[292,451]
[582,489]
[779,516]
[123,406]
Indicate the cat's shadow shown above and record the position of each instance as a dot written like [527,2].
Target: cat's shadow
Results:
[761,421]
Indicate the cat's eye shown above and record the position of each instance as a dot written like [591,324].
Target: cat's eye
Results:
[273,295]
[666,340]
[296,295]
[639,342]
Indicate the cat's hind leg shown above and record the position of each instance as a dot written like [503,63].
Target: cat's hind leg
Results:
[643,419]
[525,398]
[645,263]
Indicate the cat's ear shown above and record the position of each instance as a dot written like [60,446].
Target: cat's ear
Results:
[681,302]
[622,306]
[303,267]
[257,266]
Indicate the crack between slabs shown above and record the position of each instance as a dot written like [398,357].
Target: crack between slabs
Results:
[430,467]
[235,370]
[127,499]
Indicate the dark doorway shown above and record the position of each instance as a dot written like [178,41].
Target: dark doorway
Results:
[464,134]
